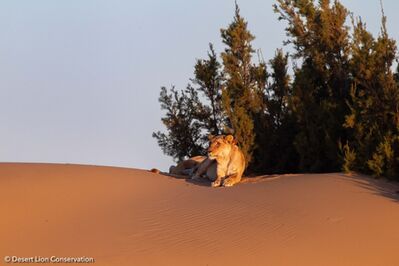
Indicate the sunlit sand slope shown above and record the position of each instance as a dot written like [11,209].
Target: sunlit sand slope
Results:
[121,216]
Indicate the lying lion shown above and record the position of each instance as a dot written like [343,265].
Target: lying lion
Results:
[187,167]
[225,164]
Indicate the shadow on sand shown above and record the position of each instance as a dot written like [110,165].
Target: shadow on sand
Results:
[207,183]
[201,182]
[381,186]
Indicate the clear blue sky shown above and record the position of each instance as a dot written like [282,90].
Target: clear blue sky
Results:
[79,80]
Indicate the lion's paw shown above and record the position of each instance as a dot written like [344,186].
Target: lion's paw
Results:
[195,177]
[228,183]
[216,183]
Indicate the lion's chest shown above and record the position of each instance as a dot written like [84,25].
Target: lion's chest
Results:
[226,169]
[231,170]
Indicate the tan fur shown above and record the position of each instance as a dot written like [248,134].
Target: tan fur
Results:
[225,164]
[186,167]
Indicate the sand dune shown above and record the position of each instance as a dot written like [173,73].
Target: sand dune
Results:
[123,216]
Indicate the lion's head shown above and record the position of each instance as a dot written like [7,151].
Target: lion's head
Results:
[220,146]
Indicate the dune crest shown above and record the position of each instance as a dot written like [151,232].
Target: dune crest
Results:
[122,216]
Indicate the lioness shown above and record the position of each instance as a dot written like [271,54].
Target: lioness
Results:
[225,164]
[186,167]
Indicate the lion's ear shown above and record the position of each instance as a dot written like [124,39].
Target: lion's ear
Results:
[211,137]
[229,138]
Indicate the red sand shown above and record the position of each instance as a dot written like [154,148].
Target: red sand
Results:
[123,216]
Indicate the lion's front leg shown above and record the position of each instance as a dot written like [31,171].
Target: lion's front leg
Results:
[202,168]
[220,175]
[232,180]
